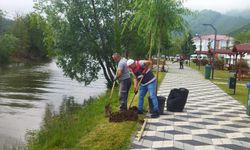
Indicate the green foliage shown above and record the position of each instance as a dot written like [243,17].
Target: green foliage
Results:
[182,44]
[188,46]
[243,37]
[156,19]
[36,29]
[80,127]
[176,46]
[135,45]
[30,29]
[19,29]
[82,33]
[8,44]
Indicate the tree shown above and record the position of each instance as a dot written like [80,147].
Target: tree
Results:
[19,29]
[30,30]
[9,43]
[36,29]
[243,37]
[83,36]
[156,19]
[188,46]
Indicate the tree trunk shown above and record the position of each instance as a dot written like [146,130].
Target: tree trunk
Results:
[158,64]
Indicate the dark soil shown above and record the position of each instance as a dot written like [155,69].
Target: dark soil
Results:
[129,115]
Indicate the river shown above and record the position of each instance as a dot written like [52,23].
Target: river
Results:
[26,90]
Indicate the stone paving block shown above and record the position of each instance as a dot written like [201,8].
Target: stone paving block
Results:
[210,120]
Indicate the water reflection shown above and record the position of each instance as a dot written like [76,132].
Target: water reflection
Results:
[26,90]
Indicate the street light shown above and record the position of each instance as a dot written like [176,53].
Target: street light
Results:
[197,35]
[215,34]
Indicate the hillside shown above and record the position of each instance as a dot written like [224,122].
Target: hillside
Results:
[223,23]
[243,13]
[5,24]
[245,28]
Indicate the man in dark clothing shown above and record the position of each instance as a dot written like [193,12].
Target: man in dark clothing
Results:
[181,62]
[123,76]
[141,69]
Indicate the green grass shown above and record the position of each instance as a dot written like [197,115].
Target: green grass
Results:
[221,80]
[85,127]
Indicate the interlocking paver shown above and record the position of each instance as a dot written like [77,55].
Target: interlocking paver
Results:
[212,119]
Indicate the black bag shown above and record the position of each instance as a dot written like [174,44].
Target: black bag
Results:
[177,99]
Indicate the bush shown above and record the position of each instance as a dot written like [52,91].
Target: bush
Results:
[8,44]
[242,64]
[204,62]
[219,64]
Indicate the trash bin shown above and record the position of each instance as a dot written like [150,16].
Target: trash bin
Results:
[248,99]
[232,80]
[161,104]
[207,71]
[177,99]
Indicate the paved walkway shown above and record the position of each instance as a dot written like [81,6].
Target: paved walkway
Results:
[211,119]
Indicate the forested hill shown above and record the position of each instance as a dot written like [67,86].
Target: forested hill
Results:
[245,28]
[243,13]
[223,23]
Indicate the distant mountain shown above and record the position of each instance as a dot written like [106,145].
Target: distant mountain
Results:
[223,23]
[239,13]
[5,24]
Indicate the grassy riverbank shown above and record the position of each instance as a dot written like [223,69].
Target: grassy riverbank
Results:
[85,127]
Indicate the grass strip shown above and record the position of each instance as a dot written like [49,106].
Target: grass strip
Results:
[85,126]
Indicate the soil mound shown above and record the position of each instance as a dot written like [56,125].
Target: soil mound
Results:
[129,115]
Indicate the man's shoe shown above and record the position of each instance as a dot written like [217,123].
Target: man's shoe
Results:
[155,115]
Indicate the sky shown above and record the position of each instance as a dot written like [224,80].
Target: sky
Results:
[218,5]
[13,7]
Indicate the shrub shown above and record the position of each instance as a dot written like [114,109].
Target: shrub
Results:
[204,62]
[8,44]
[219,64]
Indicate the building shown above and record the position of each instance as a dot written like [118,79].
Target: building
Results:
[222,41]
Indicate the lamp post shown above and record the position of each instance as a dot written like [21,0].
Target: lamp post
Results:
[197,35]
[215,34]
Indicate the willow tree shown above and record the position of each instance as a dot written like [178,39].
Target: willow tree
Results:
[83,36]
[156,20]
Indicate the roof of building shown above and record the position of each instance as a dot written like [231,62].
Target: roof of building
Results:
[211,36]
[242,48]
[217,51]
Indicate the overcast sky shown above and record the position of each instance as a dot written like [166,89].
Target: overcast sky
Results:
[218,5]
[24,6]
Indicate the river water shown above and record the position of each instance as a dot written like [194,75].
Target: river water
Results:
[26,90]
